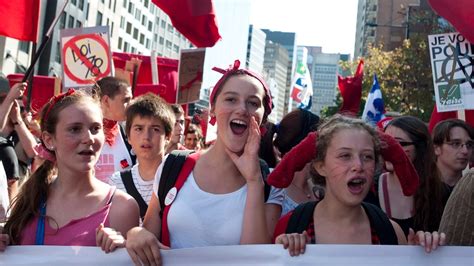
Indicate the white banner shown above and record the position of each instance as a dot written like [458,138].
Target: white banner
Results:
[246,255]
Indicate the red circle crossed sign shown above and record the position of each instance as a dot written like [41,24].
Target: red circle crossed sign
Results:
[86,58]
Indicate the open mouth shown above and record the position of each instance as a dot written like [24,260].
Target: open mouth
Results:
[87,153]
[356,185]
[238,127]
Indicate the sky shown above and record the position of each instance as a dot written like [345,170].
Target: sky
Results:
[330,24]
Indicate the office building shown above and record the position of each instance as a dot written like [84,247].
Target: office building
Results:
[288,41]
[255,49]
[276,69]
[134,27]
[382,23]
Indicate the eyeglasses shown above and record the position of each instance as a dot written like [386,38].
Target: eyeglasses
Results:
[458,145]
[406,143]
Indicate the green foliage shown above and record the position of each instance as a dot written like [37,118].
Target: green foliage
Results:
[404,74]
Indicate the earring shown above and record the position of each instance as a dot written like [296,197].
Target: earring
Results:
[51,148]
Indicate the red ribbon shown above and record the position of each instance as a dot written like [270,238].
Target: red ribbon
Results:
[56,99]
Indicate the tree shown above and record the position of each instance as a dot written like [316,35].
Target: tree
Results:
[404,74]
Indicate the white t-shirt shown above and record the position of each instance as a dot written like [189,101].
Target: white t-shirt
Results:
[198,218]
[111,157]
[4,200]
[144,187]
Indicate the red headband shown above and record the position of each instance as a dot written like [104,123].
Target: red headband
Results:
[267,104]
[56,99]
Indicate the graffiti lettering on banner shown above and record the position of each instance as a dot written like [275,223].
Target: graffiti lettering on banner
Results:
[86,56]
[452,60]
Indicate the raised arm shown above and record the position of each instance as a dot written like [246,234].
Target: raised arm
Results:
[27,140]
[15,92]
[254,229]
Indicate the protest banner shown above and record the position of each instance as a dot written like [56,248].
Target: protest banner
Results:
[86,56]
[246,255]
[44,88]
[191,65]
[167,72]
[452,58]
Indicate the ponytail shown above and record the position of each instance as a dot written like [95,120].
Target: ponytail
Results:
[25,206]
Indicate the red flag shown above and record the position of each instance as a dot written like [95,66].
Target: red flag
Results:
[20,19]
[459,13]
[438,117]
[351,90]
[195,19]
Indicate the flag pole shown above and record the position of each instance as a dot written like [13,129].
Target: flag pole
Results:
[30,81]
[134,78]
[38,53]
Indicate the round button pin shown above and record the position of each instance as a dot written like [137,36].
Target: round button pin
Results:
[170,196]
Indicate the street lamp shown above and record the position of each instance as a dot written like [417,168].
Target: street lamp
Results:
[406,27]
[20,67]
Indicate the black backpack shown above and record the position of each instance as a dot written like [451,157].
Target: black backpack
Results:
[172,168]
[127,180]
[129,147]
[302,216]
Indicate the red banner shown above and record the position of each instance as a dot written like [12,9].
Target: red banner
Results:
[167,74]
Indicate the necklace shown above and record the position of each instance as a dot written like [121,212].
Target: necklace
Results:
[308,195]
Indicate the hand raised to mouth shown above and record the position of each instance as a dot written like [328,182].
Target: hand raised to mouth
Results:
[247,162]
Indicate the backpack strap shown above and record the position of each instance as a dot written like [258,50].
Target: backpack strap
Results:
[171,169]
[179,179]
[127,180]
[301,217]
[265,172]
[129,147]
[382,225]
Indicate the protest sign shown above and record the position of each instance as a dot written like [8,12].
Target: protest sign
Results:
[246,255]
[86,56]
[452,59]
[191,64]
[167,72]
[44,88]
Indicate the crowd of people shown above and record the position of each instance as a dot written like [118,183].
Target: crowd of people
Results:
[139,176]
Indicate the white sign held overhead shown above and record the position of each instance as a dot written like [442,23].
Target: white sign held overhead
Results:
[86,56]
[452,59]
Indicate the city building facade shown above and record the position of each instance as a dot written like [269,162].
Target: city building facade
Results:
[288,41]
[134,26]
[324,69]
[255,49]
[276,69]
[382,23]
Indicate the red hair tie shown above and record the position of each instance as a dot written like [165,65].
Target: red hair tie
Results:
[54,100]
[44,153]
